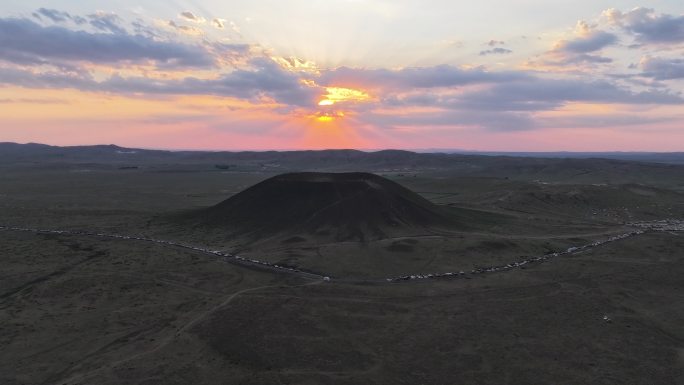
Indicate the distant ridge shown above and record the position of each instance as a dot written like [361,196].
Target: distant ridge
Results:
[15,152]
[393,163]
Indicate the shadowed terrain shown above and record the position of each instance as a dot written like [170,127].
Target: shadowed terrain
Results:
[78,308]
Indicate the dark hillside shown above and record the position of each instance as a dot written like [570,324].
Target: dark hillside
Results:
[343,206]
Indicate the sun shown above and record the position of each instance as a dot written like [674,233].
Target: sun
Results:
[329,116]
[338,96]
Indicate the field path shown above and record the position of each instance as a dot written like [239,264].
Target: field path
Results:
[83,377]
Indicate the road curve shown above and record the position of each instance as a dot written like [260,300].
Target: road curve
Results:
[640,228]
[226,257]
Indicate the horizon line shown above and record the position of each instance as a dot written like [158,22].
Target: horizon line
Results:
[414,150]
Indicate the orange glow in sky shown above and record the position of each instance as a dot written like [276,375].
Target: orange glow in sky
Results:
[591,79]
[340,95]
[328,116]
[331,130]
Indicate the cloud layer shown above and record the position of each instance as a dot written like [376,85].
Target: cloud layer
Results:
[23,41]
[198,54]
[648,26]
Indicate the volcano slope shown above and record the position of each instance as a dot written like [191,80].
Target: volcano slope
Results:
[357,225]
[327,207]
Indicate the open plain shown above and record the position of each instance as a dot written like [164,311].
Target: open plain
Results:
[119,268]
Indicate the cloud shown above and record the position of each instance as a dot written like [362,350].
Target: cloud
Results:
[294,63]
[587,39]
[581,59]
[662,69]
[141,28]
[641,82]
[107,22]
[591,42]
[231,53]
[647,26]
[52,52]
[23,41]
[219,23]
[47,79]
[58,16]
[500,101]
[510,103]
[53,57]
[189,16]
[493,121]
[33,101]
[52,14]
[581,49]
[547,94]
[417,77]
[534,94]
[186,29]
[263,80]
[496,51]
[598,121]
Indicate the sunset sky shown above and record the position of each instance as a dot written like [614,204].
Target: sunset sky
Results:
[528,75]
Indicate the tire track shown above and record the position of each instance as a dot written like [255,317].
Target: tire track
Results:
[169,339]
[46,277]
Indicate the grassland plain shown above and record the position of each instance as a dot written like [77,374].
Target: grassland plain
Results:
[88,310]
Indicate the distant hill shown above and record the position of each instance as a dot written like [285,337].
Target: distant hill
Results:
[653,157]
[554,169]
[336,206]
[108,154]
